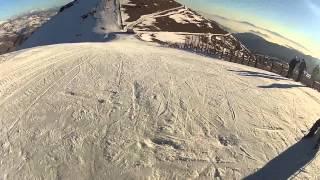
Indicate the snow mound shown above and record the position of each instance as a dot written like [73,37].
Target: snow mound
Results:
[78,21]
[132,110]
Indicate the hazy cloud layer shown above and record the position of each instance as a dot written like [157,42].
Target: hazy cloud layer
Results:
[243,26]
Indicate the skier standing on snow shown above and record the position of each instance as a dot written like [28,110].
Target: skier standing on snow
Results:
[315,73]
[302,68]
[292,65]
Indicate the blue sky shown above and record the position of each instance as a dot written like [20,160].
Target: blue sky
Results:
[298,20]
[298,15]
[9,8]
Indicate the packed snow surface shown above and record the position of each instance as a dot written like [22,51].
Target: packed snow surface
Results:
[171,37]
[128,109]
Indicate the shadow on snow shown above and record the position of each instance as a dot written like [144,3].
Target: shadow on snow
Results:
[258,74]
[281,86]
[287,163]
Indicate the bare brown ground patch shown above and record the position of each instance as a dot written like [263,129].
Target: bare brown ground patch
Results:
[143,7]
[166,23]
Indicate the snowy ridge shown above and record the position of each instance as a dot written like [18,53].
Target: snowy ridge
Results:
[167,22]
[79,21]
[16,30]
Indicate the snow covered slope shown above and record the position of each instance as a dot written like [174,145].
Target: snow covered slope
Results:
[78,21]
[131,110]
[168,22]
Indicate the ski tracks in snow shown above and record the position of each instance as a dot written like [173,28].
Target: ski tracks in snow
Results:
[125,108]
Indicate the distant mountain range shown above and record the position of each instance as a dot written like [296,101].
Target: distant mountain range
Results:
[17,29]
[237,26]
[260,45]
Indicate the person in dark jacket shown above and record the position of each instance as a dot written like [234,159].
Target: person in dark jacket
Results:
[302,68]
[315,73]
[313,129]
[292,65]
[313,132]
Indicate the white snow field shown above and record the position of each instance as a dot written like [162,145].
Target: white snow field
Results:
[132,110]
